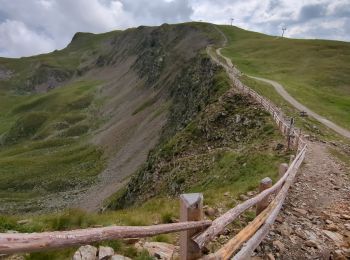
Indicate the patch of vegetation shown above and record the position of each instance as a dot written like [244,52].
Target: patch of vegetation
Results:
[81,102]
[77,130]
[74,118]
[342,155]
[46,150]
[307,124]
[198,84]
[25,127]
[315,72]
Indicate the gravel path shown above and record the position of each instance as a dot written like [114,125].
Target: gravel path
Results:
[315,220]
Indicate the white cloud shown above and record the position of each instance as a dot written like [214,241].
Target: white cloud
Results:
[17,40]
[33,26]
[46,25]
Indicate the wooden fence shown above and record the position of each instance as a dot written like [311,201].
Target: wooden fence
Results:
[195,232]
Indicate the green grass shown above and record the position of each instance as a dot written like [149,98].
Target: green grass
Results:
[315,72]
[44,144]
[149,213]
[308,125]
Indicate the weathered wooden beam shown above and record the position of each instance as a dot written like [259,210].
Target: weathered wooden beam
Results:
[221,222]
[191,209]
[292,157]
[236,242]
[256,239]
[31,242]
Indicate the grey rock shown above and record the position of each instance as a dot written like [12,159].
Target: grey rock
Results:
[85,253]
[311,243]
[278,245]
[105,252]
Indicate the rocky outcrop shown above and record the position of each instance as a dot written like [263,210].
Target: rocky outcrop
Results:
[5,74]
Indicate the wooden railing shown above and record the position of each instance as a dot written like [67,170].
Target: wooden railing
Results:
[195,232]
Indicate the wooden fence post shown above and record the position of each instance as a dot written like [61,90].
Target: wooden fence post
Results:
[191,209]
[264,184]
[291,159]
[282,169]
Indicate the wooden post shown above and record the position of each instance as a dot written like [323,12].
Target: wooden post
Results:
[191,209]
[282,170]
[264,184]
[291,159]
[289,132]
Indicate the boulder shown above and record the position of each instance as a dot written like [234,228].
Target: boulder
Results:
[243,197]
[85,253]
[336,237]
[311,243]
[105,252]
[278,245]
[300,211]
[160,250]
[346,217]
[284,230]
[210,212]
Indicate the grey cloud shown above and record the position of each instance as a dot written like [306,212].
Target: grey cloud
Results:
[312,11]
[159,11]
[45,25]
[58,20]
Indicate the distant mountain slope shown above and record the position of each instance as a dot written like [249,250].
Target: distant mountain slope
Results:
[315,72]
[98,105]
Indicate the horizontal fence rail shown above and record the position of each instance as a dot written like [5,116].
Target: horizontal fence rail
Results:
[31,242]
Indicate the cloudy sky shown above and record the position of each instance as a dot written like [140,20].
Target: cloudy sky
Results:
[30,27]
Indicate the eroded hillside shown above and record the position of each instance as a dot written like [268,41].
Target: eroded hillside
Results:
[80,121]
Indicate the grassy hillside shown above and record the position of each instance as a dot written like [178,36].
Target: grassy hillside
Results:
[118,91]
[223,152]
[67,116]
[315,72]
[44,148]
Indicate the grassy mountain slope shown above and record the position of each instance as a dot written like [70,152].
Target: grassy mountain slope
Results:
[315,72]
[95,109]
[146,102]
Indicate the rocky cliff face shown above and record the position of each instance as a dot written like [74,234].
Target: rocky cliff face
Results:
[143,85]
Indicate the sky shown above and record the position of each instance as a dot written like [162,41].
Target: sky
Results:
[29,27]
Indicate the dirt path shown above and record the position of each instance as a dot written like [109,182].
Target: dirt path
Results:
[315,220]
[280,90]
